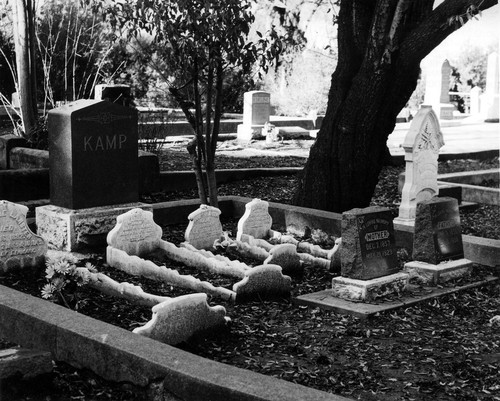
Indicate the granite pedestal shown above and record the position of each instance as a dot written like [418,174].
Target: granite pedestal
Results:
[73,230]
[429,273]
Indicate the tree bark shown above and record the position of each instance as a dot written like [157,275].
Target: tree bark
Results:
[24,42]
[381,45]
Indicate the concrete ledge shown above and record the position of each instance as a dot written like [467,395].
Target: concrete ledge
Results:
[27,158]
[27,363]
[441,273]
[119,355]
[8,142]
[180,180]
[325,300]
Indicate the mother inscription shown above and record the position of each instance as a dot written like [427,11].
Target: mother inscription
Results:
[368,244]
[19,246]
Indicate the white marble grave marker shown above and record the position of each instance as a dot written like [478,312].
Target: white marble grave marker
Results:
[490,100]
[204,227]
[135,233]
[421,145]
[256,221]
[19,246]
[178,319]
[256,113]
[286,256]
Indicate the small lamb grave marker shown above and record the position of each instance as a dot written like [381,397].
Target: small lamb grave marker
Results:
[204,227]
[19,246]
[178,319]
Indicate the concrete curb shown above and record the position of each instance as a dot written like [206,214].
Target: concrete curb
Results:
[119,355]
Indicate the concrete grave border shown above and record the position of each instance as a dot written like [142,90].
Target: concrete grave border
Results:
[119,355]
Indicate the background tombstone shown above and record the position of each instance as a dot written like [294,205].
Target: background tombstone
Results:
[475,94]
[19,246]
[256,221]
[119,94]
[368,244]
[256,113]
[421,145]
[204,227]
[437,90]
[490,105]
[93,154]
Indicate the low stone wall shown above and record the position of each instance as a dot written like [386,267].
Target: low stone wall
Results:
[27,158]
[120,355]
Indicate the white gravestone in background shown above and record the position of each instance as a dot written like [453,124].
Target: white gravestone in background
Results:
[204,227]
[256,113]
[490,99]
[19,246]
[421,145]
[256,221]
[437,88]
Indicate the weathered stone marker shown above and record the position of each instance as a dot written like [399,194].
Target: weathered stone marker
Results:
[135,233]
[437,243]
[438,234]
[437,89]
[93,154]
[368,244]
[256,221]
[256,113]
[421,145]
[19,246]
[204,227]
[490,99]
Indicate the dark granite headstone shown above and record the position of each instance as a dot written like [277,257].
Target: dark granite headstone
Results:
[368,245]
[93,154]
[438,234]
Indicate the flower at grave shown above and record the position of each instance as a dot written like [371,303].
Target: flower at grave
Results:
[62,266]
[90,267]
[50,271]
[48,291]
[58,283]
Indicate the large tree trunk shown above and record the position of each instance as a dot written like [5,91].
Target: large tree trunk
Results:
[381,44]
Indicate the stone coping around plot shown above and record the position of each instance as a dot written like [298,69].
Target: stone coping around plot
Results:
[325,300]
[478,194]
[485,251]
[120,355]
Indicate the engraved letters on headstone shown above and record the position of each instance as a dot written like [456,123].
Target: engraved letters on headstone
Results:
[368,244]
[19,246]
[93,154]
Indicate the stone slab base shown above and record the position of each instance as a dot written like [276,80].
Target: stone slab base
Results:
[73,230]
[437,274]
[246,133]
[368,290]
[404,222]
[325,300]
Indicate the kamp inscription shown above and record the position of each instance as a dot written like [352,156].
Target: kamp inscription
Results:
[19,246]
[368,241]
[94,154]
